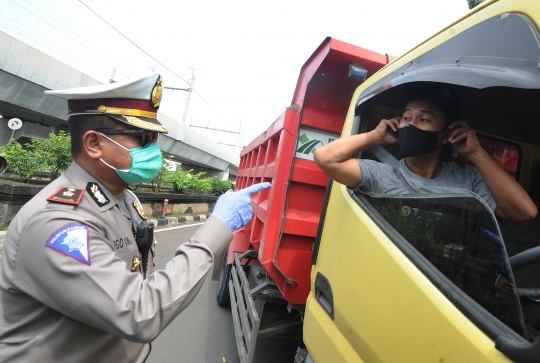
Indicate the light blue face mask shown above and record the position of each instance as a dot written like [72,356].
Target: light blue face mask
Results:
[145,163]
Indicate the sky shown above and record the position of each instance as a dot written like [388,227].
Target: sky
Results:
[245,55]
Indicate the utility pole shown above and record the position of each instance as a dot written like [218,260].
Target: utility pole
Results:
[191,82]
[111,80]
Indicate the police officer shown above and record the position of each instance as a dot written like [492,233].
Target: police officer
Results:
[72,273]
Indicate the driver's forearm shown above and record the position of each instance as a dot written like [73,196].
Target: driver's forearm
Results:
[343,149]
[512,200]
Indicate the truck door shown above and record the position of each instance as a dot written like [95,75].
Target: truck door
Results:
[425,277]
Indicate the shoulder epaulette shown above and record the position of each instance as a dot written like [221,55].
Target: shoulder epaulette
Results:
[67,195]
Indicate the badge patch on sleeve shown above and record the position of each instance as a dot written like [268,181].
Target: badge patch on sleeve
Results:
[72,240]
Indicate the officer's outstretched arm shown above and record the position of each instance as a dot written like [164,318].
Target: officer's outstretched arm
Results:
[234,209]
[104,293]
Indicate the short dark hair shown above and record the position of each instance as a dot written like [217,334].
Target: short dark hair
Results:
[441,95]
[79,124]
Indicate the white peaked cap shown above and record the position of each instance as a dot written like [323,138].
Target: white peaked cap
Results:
[134,102]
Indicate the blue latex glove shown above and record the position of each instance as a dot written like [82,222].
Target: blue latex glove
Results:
[234,209]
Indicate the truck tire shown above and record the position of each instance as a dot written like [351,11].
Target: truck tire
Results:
[223,294]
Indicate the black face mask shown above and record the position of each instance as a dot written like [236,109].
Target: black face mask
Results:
[414,141]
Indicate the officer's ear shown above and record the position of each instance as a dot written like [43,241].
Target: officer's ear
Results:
[91,144]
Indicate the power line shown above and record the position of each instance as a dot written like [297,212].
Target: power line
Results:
[209,105]
[79,59]
[35,39]
[49,41]
[142,50]
[129,40]
[211,128]
[108,59]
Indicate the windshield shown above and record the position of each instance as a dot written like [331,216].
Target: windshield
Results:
[455,230]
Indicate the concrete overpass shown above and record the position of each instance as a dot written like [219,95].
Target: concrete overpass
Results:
[26,72]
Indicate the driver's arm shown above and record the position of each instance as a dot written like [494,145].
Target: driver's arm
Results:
[513,202]
[337,159]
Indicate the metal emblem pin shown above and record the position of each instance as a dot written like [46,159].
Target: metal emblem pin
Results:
[136,263]
[138,208]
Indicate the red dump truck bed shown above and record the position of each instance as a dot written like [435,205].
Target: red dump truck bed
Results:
[286,216]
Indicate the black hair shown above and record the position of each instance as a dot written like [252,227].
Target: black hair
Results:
[78,125]
[441,95]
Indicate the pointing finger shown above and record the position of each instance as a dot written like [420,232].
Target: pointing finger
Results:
[256,188]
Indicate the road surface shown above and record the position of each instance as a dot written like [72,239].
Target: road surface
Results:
[203,333]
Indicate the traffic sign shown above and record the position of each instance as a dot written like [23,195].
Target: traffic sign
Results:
[14,124]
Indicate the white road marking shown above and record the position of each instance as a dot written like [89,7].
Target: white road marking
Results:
[168,229]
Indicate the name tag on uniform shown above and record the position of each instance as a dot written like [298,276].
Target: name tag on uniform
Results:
[72,241]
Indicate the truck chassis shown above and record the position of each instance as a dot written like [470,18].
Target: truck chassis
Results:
[258,308]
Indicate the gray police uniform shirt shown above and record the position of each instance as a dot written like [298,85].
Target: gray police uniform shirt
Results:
[379,178]
[71,291]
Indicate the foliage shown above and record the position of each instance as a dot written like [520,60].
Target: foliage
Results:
[474,3]
[54,152]
[3,226]
[175,214]
[219,186]
[182,181]
[52,155]
[22,162]
[159,180]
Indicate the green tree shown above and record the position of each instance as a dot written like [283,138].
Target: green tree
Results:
[53,153]
[474,3]
[219,186]
[181,180]
[21,161]
[161,178]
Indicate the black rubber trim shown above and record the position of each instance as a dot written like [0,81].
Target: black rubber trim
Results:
[488,323]
[324,294]
[356,124]
[317,242]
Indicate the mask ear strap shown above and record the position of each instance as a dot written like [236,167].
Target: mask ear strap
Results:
[114,142]
[109,165]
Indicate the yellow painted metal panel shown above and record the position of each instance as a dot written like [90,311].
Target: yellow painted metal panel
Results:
[386,310]
[328,343]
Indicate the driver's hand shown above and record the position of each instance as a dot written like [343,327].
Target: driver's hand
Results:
[463,139]
[387,131]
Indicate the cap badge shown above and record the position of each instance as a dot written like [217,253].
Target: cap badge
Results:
[156,93]
[97,194]
[136,263]
[139,209]
[67,195]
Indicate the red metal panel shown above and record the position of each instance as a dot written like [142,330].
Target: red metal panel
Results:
[301,223]
[240,243]
[306,171]
[286,215]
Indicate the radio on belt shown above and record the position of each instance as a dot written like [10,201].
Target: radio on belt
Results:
[144,239]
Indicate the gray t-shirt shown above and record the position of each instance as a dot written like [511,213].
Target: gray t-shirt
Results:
[379,178]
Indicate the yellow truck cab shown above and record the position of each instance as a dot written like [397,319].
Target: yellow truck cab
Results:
[431,275]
